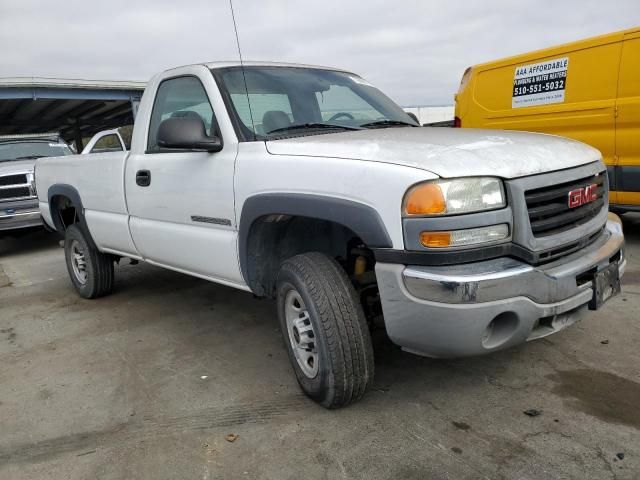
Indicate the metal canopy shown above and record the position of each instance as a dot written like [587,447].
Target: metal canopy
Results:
[75,108]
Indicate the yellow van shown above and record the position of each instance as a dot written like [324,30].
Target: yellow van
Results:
[588,90]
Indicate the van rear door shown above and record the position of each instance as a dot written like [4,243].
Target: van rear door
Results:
[626,177]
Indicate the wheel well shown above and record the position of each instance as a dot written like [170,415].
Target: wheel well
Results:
[274,238]
[63,212]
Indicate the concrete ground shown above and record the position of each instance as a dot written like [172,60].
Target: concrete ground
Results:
[148,382]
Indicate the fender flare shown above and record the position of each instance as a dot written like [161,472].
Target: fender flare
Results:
[362,219]
[61,189]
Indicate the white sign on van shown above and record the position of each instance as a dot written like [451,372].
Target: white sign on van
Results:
[540,83]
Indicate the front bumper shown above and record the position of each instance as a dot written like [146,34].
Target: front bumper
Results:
[476,308]
[19,214]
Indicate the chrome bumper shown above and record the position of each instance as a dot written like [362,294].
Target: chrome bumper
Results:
[14,215]
[485,306]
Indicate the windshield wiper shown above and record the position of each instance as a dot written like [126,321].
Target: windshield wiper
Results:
[388,123]
[29,157]
[309,126]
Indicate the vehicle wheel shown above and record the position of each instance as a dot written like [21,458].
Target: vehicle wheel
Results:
[91,271]
[324,330]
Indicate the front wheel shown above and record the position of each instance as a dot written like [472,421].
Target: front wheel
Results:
[324,330]
[90,270]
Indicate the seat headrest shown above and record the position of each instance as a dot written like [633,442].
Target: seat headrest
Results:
[274,119]
[186,113]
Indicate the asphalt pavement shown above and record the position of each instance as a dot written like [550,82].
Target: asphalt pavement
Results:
[154,381]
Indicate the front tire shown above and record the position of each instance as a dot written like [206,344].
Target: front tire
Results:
[90,270]
[324,329]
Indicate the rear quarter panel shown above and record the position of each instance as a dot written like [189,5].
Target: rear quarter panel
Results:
[98,179]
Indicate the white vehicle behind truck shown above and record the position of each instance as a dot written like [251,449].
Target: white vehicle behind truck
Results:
[310,186]
[105,141]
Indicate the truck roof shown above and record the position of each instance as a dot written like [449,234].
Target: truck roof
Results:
[236,63]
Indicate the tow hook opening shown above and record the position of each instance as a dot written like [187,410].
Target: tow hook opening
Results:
[500,330]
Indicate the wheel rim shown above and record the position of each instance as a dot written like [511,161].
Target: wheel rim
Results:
[78,262]
[301,334]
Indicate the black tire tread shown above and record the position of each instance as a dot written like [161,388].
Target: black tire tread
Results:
[345,329]
[102,265]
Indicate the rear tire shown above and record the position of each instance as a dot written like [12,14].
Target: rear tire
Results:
[324,329]
[90,270]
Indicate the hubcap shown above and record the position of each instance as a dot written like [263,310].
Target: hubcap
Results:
[301,334]
[78,262]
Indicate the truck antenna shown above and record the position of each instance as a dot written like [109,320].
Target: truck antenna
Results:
[244,78]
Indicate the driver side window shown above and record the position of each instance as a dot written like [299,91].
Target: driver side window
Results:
[182,96]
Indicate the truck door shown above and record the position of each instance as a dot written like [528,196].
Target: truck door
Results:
[626,177]
[181,203]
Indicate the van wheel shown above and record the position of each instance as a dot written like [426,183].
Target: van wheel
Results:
[324,330]
[91,271]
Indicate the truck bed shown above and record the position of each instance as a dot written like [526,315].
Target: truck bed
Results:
[98,180]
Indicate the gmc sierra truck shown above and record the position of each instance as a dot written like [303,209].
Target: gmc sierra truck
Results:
[18,154]
[309,186]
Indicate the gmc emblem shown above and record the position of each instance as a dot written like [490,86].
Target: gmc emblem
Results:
[581,196]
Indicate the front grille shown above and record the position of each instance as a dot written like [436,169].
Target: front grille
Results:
[549,211]
[19,179]
[14,192]
[549,255]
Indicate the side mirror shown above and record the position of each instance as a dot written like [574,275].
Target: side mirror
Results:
[186,133]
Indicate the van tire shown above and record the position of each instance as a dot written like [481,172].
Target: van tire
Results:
[331,308]
[91,271]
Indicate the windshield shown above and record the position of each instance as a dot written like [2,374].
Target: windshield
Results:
[25,149]
[285,101]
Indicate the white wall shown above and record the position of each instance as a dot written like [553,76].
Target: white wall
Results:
[430,114]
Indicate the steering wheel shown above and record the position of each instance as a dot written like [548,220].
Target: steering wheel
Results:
[341,114]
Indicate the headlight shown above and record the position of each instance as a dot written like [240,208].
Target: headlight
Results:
[451,197]
[31,178]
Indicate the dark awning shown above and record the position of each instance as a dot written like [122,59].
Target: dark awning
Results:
[75,108]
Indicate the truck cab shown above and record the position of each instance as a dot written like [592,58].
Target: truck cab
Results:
[309,186]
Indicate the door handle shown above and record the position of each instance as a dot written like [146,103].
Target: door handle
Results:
[143,178]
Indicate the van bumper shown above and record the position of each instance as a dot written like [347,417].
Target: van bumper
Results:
[477,308]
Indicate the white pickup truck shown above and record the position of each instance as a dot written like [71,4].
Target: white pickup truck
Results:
[308,185]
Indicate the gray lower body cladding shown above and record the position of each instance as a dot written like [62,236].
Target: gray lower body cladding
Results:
[486,306]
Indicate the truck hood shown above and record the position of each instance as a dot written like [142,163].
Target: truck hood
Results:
[16,166]
[447,152]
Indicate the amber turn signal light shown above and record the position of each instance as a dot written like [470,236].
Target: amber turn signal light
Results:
[425,199]
[469,236]
[435,239]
